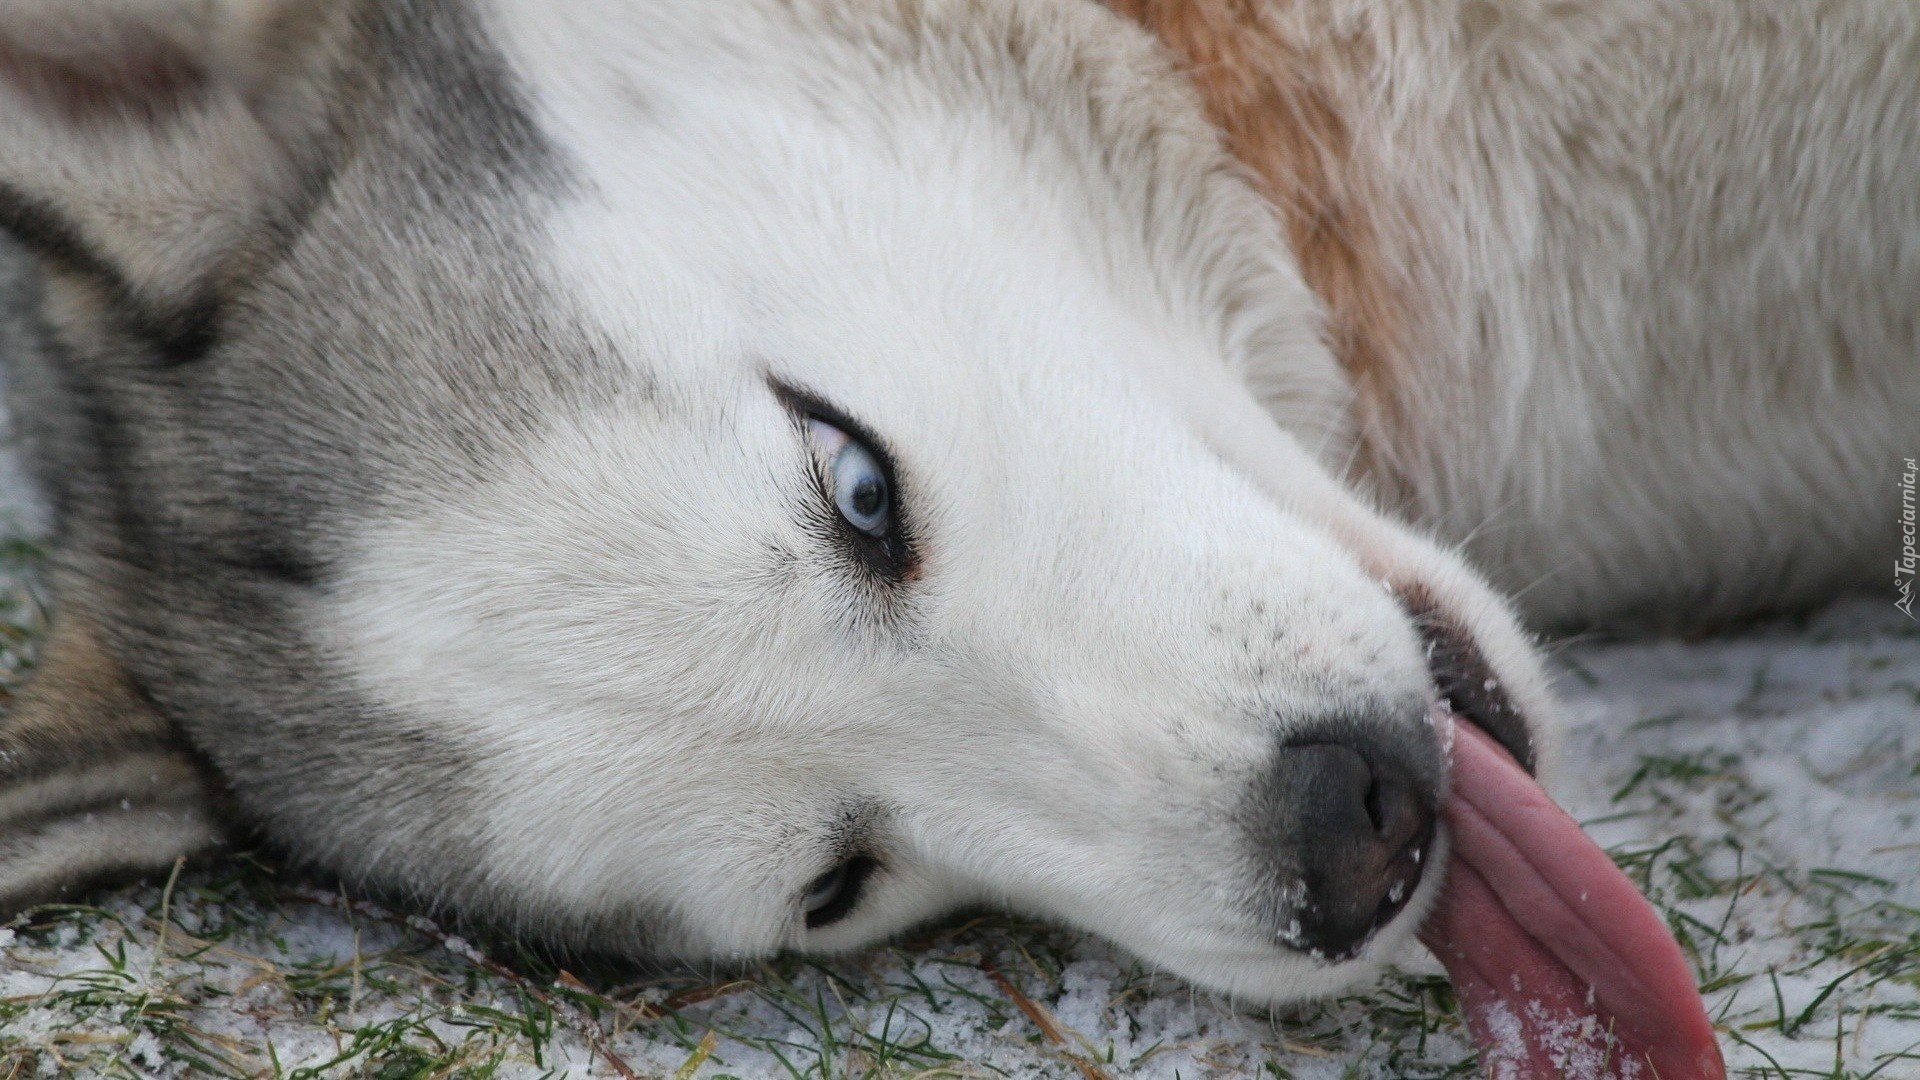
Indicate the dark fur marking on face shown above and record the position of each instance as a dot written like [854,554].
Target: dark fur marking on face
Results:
[189,498]
[277,561]
[177,336]
[426,57]
[474,119]
[43,231]
[429,58]
[130,537]
[187,334]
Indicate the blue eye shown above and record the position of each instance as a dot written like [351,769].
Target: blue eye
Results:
[856,482]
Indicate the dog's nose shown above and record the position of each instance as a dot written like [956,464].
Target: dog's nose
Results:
[1365,830]
[1348,827]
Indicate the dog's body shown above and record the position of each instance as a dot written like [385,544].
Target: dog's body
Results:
[436,393]
[1626,290]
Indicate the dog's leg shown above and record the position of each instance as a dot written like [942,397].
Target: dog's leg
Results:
[94,783]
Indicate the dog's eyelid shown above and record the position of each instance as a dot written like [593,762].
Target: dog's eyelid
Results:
[830,437]
[834,894]
[890,555]
[808,406]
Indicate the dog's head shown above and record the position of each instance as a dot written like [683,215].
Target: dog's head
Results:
[718,480]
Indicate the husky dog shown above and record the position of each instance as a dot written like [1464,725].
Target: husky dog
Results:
[702,478]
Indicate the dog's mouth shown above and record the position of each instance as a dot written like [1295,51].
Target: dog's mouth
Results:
[1551,948]
[1465,683]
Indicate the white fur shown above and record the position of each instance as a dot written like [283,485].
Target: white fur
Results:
[1663,259]
[1001,235]
[1125,594]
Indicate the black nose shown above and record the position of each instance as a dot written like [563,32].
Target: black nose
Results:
[1342,833]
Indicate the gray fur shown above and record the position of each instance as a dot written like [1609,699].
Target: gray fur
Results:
[197,501]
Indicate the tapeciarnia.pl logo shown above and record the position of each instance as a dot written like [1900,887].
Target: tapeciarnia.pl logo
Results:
[1903,569]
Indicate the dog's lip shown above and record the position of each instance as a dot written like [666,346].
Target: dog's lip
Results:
[1465,684]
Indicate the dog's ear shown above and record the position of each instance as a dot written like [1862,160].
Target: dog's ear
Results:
[146,145]
[94,783]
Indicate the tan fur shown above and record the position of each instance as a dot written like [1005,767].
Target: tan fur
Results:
[1278,107]
[79,697]
[1621,287]
[94,783]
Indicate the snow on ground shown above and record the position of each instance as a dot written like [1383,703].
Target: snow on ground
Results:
[1764,787]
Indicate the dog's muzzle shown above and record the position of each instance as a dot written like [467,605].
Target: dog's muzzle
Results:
[1342,817]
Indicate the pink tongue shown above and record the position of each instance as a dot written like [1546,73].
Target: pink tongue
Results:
[1563,969]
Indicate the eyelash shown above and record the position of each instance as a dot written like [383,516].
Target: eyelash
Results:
[890,556]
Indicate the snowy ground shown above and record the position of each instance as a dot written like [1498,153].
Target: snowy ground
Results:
[1765,788]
